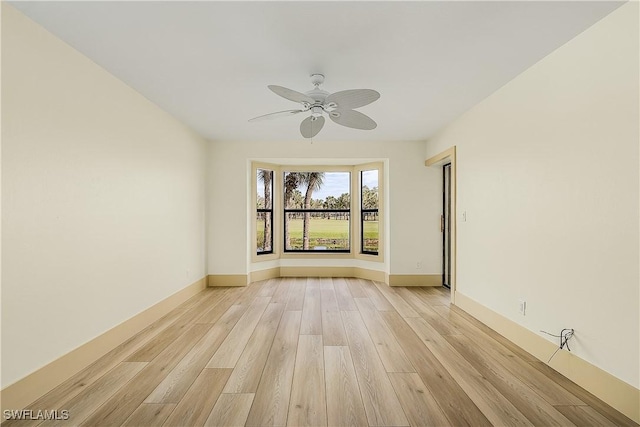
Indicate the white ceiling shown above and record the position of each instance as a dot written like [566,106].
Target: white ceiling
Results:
[209,63]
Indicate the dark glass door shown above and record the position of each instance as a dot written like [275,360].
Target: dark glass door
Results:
[446,225]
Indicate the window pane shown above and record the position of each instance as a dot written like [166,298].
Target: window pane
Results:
[317,190]
[264,238]
[327,231]
[325,193]
[370,189]
[265,189]
[371,232]
[369,203]
[264,220]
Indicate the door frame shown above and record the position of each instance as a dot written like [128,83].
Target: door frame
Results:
[437,161]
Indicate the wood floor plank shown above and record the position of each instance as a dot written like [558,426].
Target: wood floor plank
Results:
[356,288]
[271,401]
[437,294]
[123,402]
[296,294]
[154,347]
[209,297]
[281,295]
[311,310]
[84,404]
[232,347]
[267,288]
[417,401]
[307,406]
[390,352]
[247,372]
[194,409]
[376,297]
[344,403]
[497,408]
[607,411]
[396,300]
[494,335]
[380,401]
[150,414]
[343,295]
[212,314]
[247,294]
[535,408]
[197,298]
[457,406]
[549,390]
[326,283]
[82,380]
[333,329]
[427,312]
[180,379]
[231,410]
[584,416]
[328,300]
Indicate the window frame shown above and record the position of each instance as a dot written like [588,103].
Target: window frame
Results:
[266,210]
[355,244]
[291,168]
[364,211]
[275,204]
[359,251]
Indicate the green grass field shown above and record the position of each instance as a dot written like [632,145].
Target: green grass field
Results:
[330,233]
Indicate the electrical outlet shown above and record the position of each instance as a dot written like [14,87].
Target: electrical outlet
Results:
[418,265]
[522,307]
[464,216]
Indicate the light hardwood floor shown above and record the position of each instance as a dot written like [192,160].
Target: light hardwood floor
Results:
[321,351]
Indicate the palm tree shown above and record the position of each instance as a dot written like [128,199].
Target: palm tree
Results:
[265,176]
[314,181]
[290,184]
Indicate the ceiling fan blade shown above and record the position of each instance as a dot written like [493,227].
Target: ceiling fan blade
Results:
[276,115]
[353,119]
[310,127]
[354,98]
[291,95]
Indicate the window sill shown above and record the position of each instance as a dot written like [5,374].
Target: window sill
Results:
[316,255]
[264,257]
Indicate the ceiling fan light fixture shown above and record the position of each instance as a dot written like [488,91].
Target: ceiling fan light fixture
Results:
[316,111]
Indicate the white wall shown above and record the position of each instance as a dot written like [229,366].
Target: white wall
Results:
[412,213]
[548,175]
[103,200]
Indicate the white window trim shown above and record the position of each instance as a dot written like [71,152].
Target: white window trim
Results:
[278,211]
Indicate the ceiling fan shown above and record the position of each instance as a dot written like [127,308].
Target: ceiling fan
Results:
[339,106]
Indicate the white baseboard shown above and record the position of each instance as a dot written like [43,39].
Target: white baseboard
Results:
[361,273]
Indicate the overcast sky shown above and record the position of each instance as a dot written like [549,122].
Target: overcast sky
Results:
[335,183]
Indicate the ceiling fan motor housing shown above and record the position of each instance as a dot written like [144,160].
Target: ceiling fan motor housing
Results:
[318,95]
